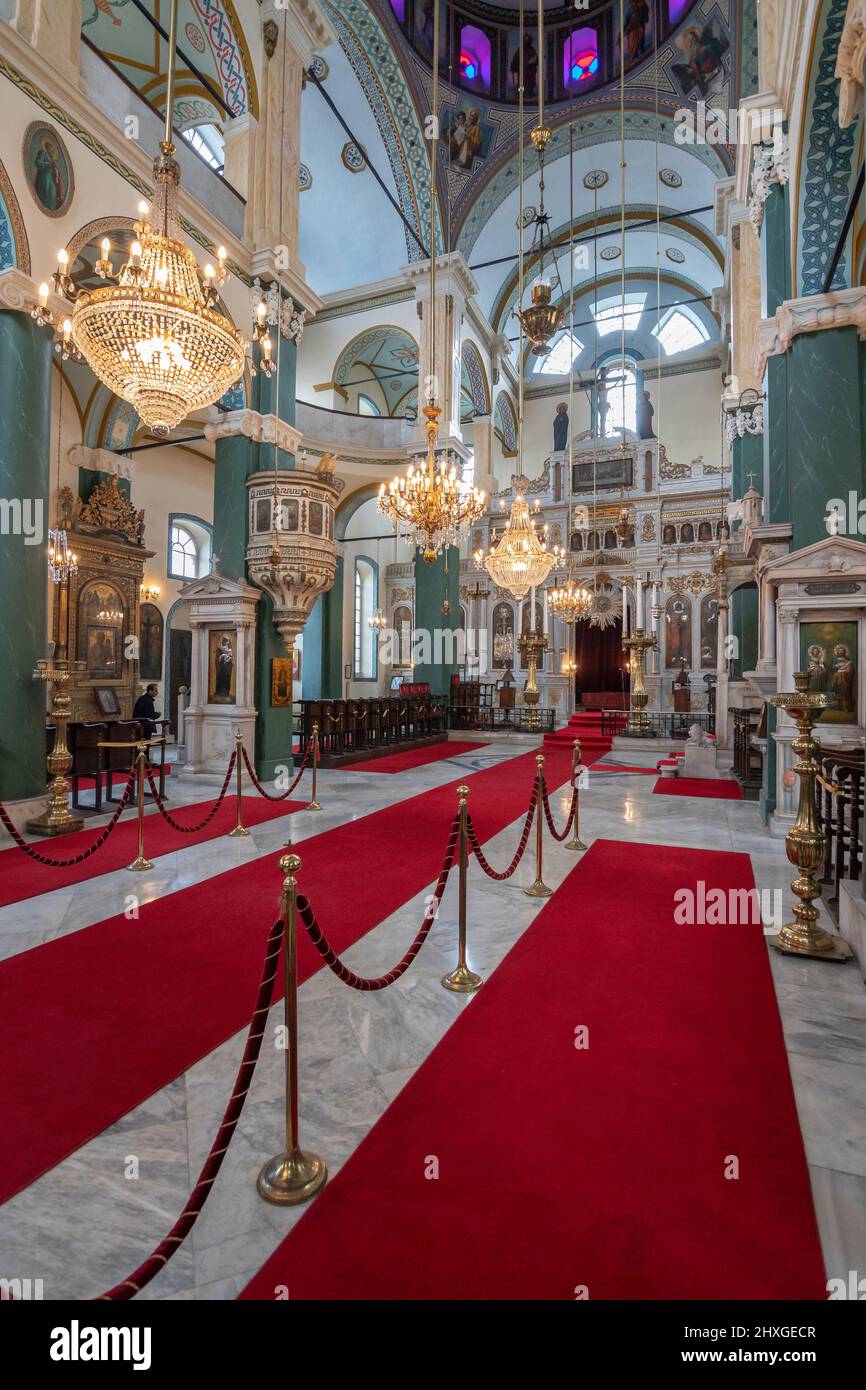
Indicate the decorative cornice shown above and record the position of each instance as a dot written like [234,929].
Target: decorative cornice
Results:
[849,63]
[812,314]
[744,420]
[456,277]
[19,292]
[261,429]
[101,461]
[307,27]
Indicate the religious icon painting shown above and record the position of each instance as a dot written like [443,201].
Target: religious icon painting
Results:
[281,681]
[48,169]
[828,653]
[150,644]
[221,686]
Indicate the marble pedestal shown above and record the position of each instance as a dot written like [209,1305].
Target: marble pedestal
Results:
[220,609]
[700,762]
[852,919]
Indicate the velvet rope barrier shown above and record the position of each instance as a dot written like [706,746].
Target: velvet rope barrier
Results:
[85,853]
[280,796]
[156,1261]
[521,848]
[190,829]
[548,814]
[360,982]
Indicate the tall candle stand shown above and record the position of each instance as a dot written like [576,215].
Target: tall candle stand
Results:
[638,645]
[806,843]
[57,819]
[533,646]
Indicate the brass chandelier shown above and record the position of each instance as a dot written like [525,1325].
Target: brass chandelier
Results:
[542,318]
[570,601]
[430,503]
[152,334]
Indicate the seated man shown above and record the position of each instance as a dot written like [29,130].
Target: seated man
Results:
[145,711]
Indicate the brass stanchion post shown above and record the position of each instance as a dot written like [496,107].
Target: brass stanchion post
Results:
[239,752]
[576,842]
[461,979]
[57,819]
[139,864]
[293,1176]
[314,805]
[539,888]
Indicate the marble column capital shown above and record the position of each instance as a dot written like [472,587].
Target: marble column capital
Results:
[453,276]
[850,60]
[308,29]
[261,429]
[811,314]
[20,293]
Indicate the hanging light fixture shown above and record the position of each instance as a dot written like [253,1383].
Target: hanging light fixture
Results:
[430,502]
[152,334]
[542,318]
[520,560]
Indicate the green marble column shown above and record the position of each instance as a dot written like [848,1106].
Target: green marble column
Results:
[431,589]
[767,796]
[322,674]
[25,429]
[825,437]
[744,626]
[775,289]
[237,459]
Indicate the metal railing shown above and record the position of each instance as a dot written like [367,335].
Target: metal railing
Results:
[659,723]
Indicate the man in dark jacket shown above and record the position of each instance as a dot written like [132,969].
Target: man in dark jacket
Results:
[145,711]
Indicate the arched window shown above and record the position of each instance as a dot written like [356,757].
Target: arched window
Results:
[622,397]
[366,598]
[366,406]
[183,554]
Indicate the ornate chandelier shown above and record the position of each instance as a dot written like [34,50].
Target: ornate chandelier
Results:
[542,319]
[152,335]
[519,561]
[570,601]
[62,562]
[430,503]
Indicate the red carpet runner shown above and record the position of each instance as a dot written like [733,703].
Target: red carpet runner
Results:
[602,1167]
[20,878]
[722,788]
[132,1004]
[414,757]
[585,726]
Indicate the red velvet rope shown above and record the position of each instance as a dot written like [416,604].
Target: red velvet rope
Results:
[548,815]
[280,796]
[85,853]
[190,829]
[128,1288]
[361,982]
[524,838]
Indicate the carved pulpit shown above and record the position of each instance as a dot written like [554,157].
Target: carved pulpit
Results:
[96,619]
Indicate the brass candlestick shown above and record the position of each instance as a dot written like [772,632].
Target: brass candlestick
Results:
[532,647]
[806,843]
[639,645]
[57,819]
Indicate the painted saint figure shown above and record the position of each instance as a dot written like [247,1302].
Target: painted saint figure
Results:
[225,664]
[560,428]
[645,412]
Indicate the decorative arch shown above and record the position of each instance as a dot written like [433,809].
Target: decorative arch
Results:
[348,507]
[476,379]
[14,247]
[827,161]
[368,343]
[505,424]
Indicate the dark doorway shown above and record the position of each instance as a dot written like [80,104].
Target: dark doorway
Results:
[600,661]
[180,650]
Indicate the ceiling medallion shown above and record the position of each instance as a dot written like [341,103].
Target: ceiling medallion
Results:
[596,178]
[610,253]
[670,178]
[353,157]
[305,178]
[674,254]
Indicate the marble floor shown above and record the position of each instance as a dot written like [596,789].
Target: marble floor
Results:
[85,1225]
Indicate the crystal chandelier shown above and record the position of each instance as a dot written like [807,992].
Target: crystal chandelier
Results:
[519,561]
[152,334]
[378,622]
[430,503]
[570,601]
[62,562]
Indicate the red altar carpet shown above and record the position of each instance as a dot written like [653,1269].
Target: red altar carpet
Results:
[132,1004]
[414,757]
[602,1167]
[721,788]
[585,726]
[21,878]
